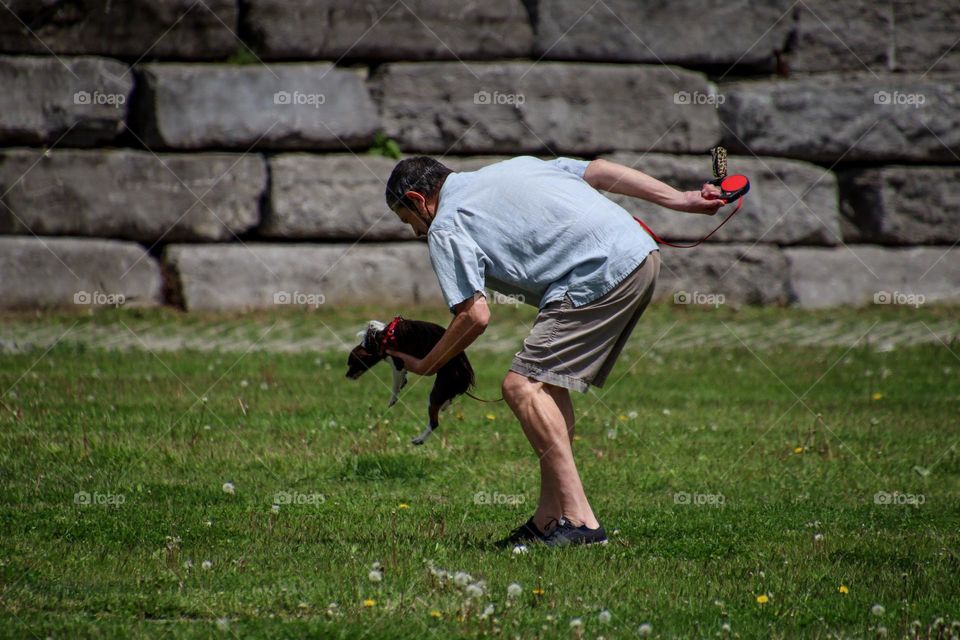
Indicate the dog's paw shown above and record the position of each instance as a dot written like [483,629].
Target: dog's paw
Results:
[420,439]
[392,402]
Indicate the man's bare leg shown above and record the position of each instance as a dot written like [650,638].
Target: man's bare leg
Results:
[546,414]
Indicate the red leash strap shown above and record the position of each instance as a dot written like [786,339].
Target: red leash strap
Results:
[658,240]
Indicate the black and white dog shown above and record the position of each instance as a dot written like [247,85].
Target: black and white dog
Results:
[416,338]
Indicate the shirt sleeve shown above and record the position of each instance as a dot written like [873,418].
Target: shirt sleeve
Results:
[571,165]
[459,264]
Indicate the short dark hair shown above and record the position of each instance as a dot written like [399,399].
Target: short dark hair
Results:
[422,174]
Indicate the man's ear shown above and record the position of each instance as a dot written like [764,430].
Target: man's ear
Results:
[418,201]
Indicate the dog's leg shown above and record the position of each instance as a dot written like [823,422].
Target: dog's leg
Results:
[399,382]
[433,411]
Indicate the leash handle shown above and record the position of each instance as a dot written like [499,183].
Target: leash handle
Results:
[733,187]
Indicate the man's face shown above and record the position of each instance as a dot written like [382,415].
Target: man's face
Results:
[415,221]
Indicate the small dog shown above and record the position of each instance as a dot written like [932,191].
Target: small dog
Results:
[416,338]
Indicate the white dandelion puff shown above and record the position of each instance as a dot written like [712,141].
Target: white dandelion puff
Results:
[514,590]
[228,488]
[604,616]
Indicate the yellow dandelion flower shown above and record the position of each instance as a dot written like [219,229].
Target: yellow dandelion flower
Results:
[403,505]
[436,614]
[877,395]
[798,450]
[490,416]
[537,591]
[576,438]
[369,602]
[843,589]
[762,599]
[622,417]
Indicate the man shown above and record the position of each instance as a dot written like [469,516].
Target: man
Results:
[541,230]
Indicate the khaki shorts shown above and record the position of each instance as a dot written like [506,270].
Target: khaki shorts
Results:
[573,347]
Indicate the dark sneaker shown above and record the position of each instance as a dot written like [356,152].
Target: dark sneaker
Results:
[524,534]
[565,534]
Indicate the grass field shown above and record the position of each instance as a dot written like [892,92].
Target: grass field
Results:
[754,489]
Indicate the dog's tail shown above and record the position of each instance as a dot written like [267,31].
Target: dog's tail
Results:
[500,399]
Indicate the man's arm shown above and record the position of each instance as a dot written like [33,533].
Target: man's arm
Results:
[606,175]
[470,320]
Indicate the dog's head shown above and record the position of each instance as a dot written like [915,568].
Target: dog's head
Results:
[368,352]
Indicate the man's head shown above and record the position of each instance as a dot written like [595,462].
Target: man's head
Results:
[413,191]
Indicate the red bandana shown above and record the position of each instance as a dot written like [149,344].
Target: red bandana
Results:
[389,340]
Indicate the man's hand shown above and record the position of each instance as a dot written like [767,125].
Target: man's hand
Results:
[411,363]
[470,320]
[706,201]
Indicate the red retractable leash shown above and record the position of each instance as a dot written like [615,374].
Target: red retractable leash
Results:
[731,188]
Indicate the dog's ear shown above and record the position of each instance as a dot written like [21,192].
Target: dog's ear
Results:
[368,334]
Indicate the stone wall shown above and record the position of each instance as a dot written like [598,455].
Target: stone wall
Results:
[228,154]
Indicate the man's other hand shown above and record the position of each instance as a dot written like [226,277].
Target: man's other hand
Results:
[706,201]
[411,363]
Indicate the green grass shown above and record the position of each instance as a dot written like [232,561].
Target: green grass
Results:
[132,430]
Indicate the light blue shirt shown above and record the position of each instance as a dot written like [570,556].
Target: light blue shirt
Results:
[533,229]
